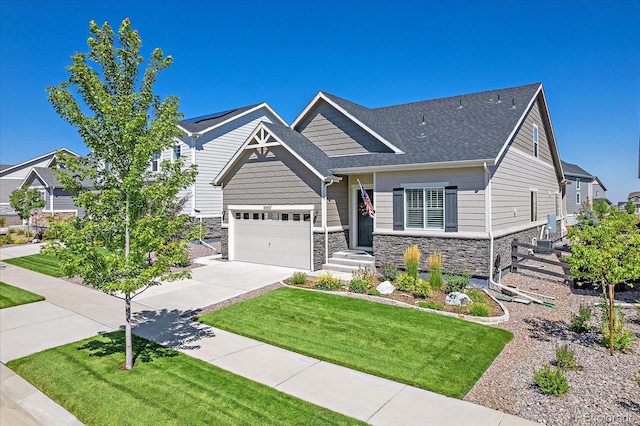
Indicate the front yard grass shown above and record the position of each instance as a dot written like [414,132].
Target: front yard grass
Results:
[42,263]
[429,351]
[14,296]
[164,387]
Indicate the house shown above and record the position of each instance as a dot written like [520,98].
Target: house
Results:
[582,188]
[210,141]
[464,175]
[12,177]
[634,197]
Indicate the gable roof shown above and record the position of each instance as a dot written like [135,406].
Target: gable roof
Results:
[51,154]
[5,166]
[49,177]
[575,170]
[206,123]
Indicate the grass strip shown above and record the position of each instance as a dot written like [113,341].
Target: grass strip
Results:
[433,352]
[45,264]
[14,296]
[165,387]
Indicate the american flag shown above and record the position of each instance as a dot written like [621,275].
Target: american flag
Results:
[367,201]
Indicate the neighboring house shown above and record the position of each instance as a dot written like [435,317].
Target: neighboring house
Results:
[634,197]
[463,175]
[58,202]
[210,141]
[582,188]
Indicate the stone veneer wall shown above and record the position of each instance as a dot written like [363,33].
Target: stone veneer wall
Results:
[224,242]
[212,226]
[338,241]
[458,253]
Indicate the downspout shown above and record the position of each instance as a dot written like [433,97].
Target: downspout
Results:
[194,138]
[325,185]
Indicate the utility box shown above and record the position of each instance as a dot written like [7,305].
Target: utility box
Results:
[548,244]
[551,223]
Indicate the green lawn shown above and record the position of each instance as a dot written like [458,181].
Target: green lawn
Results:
[14,296]
[42,263]
[165,388]
[429,351]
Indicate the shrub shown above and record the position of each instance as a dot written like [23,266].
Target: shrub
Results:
[6,239]
[422,288]
[431,305]
[368,276]
[580,321]
[405,282]
[358,285]
[622,337]
[298,278]
[435,270]
[3,221]
[458,282]
[565,358]
[477,296]
[326,281]
[412,257]
[11,230]
[20,231]
[373,292]
[390,271]
[479,310]
[551,381]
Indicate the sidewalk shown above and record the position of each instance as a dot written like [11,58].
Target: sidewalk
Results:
[363,396]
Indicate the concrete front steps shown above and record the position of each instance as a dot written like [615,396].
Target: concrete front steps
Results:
[350,261]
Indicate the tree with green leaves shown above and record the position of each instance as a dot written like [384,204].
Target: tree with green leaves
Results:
[24,201]
[630,207]
[132,232]
[601,208]
[606,254]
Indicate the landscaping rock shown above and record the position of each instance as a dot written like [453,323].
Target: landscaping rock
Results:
[385,287]
[456,299]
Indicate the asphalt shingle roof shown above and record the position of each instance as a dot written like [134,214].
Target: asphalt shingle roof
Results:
[198,124]
[48,175]
[575,170]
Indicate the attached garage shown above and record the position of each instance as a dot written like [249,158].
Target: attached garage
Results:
[271,235]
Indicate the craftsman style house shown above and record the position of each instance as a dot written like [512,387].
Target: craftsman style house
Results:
[464,175]
[210,141]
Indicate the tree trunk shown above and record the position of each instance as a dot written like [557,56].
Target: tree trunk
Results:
[127,333]
[611,319]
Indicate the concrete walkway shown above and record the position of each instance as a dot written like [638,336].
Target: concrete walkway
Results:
[72,312]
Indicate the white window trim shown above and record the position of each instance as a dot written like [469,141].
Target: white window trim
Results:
[533,191]
[577,183]
[174,157]
[578,198]
[536,139]
[424,186]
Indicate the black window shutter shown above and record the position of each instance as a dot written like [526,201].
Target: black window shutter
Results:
[451,209]
[398,209]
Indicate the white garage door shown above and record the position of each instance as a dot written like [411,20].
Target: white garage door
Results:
[273,238]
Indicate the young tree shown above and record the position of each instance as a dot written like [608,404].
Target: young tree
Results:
[601,208]
[606,254]
[24,201]
[630,207]
[132,232]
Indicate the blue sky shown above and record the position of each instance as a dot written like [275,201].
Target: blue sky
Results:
[375,53]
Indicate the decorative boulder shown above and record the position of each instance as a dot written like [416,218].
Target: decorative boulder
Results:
[456,299]
[385,287]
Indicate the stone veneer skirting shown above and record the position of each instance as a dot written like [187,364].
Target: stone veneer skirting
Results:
[224,242]
[459,254]
[212,226]
[338,241]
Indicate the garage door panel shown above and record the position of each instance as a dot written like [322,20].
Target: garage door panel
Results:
[273,242]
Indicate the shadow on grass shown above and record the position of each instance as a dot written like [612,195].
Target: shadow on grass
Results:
[114,342]
[173,328]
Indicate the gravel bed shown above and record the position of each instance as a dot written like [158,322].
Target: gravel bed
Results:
[605,391]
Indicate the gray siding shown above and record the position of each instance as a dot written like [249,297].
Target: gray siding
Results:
[572,190]
[6,188]
[338,203]
[524,138]
[270,177]
[336,134]
[597,190]
[470,183]
[513,179]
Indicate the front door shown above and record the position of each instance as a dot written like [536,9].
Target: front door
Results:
[365,222]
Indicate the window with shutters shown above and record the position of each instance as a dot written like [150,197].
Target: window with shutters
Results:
[424,208]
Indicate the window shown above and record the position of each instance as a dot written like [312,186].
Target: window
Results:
[577,183]
[155,159]
[577,198]
[306,217]
[534,206]
[425,208]
[176,152]
[245,216]
[256,216]
[285,216]
[238,216]
[535,140]
[296,217]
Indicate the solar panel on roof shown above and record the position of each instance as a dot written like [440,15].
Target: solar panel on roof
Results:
[208,116]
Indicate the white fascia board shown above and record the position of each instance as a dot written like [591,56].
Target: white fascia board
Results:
[556,152]
[188,133]
[235,117]
[415,166]
[322,96]
[518,124]
[275,207]
[52,153]
[33,171]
